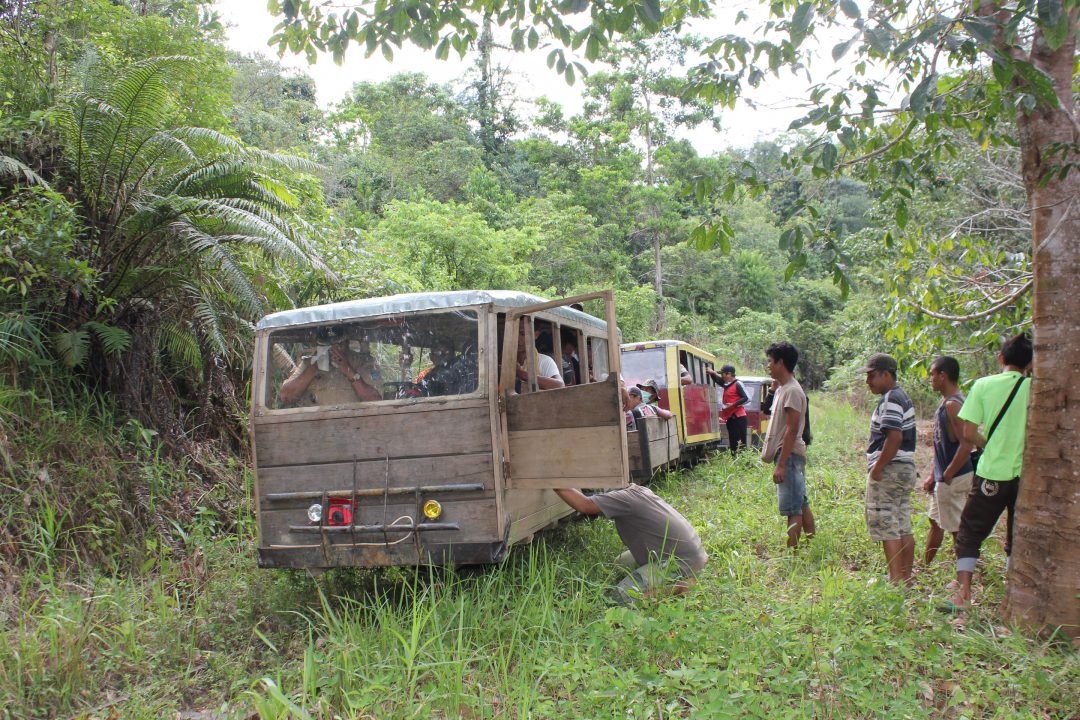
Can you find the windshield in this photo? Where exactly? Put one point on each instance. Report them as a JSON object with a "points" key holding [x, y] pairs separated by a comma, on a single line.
{"points": [[641, 365], [373, 360]]}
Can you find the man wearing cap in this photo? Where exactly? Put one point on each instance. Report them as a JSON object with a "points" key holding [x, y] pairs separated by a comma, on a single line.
{"points": [[732, 399], [637, 408], [662, 544], [650, 393], [890, 462]]}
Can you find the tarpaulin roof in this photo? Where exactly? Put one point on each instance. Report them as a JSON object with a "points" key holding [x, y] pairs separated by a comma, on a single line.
{"points": [[416, 303]]}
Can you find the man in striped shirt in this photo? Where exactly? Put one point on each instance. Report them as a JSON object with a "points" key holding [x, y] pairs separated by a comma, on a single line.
{"points": [[890, 462]]}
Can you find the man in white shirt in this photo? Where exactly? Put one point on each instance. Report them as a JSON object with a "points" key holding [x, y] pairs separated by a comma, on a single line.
{"points": [[548, 374]]}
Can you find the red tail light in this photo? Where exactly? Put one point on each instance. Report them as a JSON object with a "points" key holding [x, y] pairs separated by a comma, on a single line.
{"points": [[340, 512]]}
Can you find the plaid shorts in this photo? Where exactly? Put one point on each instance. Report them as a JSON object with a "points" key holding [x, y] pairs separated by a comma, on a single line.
{"points": [[888, 502]]}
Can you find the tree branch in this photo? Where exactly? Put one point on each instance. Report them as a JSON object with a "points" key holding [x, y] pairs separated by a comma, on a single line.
{"points": [[975, 316]]}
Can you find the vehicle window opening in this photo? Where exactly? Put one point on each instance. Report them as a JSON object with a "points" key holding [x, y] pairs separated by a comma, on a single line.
{"points": [[372, 360], [598, 359], [570, 341]]}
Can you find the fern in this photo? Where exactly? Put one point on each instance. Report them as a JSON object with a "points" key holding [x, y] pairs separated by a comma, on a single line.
{"points": [[114, 340], [73, 346]]}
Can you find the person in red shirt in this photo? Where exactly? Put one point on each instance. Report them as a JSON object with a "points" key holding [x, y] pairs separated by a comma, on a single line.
{"points": [[733, 397]]}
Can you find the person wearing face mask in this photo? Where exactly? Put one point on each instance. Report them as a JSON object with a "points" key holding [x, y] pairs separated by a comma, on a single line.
{"points": [[650, 393]]}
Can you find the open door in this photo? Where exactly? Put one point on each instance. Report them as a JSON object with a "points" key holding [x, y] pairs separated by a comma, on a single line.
{"points": [[570, 437]]}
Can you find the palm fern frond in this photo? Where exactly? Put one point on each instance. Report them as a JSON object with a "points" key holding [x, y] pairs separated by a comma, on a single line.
{"points": [[12, 169], [181, 345], [73, 346], [22, 336], [113, 340]]}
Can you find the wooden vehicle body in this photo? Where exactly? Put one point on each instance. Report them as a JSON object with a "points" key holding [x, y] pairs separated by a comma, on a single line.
{"points": [[695, 405], [456, 462], [652, 447], [757, 422]]}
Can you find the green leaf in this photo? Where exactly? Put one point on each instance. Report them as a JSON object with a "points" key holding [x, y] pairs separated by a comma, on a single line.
{"points": [[840, 49], [73, 347], [534, 39], [902, 214], [800, 22], [592, 48], [1054, 22], [113, 340], [918, 98], [849, 8], [1038, 82], [828, 157], [650, 12], [787, 239], [879, 39], [981, 30], [1003, 71]]}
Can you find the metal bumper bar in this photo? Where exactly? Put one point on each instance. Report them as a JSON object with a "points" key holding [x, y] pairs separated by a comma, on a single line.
{"points": [[373, 492]]}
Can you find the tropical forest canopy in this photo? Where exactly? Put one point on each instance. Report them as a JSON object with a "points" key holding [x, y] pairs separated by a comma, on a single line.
{"points": [[162, 193]]}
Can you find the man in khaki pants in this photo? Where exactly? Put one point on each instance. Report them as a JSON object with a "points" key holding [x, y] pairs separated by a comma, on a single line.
{"points": [[890, 461]]}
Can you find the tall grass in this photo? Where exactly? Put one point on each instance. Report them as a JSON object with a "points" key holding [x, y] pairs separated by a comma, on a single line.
{"points": [[765, 633]]}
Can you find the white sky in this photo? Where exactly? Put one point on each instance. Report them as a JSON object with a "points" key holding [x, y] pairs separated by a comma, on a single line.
{"points": [[249, 25]]}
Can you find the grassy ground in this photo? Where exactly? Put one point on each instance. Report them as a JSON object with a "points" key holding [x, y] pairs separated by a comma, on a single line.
{"points": [[766, 632]]}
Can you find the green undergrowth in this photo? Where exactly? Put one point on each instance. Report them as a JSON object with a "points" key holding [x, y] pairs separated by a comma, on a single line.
{"points": [[765, 633]]}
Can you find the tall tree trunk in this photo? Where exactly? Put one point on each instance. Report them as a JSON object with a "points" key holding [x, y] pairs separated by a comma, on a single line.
{"points": [[658, 284], [485, 92], [1044, 572]]}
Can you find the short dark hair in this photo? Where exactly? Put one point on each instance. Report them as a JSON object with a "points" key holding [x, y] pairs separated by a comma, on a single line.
{"points": [[785, 352], [948, 365], [1017, 351]]}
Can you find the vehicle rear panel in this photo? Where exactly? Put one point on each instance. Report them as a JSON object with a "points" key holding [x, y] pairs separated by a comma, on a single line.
{"points": [[391, 461]]}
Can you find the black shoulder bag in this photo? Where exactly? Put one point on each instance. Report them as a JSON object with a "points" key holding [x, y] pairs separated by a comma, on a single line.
{"points": [[976, 454]]}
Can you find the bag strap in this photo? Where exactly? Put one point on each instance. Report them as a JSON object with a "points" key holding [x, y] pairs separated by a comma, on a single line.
{"points": [[1004, 407]]}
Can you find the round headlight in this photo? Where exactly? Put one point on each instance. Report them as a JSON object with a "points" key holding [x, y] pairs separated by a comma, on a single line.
{"points": [[314, 513], [432, 509]]}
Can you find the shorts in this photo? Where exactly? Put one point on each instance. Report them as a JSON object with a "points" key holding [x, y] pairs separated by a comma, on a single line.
{"points": [[650, 576], [888, 502], [947, 502], [791, 494]]}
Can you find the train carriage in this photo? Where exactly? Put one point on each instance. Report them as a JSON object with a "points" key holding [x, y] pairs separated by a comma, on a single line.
{"points": [[409, 429], [694, 404]]}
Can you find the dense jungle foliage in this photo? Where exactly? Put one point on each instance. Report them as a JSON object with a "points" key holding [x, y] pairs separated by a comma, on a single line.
{"points": [[159, 193]]}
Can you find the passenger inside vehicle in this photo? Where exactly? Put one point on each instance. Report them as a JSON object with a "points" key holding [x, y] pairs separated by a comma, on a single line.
{"points": [[548, 375], [338, 371], [571, 364]]}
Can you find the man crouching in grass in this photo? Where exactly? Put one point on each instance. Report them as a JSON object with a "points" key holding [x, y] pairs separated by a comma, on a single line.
{"points": [[662, 545]]}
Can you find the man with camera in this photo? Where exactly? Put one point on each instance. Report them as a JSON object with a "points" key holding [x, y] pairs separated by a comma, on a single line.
{"points": [[339, 373]]}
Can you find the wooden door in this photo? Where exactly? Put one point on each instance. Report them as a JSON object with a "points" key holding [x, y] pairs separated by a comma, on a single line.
{"points": [[571, 437]]}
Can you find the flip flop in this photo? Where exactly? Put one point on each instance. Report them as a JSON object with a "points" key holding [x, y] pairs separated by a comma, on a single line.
{"points": [[950, 607]]}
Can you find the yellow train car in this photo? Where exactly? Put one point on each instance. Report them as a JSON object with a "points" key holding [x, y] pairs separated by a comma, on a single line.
{"points": [[686, 389]]}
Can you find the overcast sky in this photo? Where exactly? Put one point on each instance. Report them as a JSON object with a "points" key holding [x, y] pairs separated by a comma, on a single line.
{"points": [[249, 26]]}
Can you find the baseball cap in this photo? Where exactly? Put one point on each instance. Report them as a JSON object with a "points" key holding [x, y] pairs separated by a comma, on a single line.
{"points": [[650, 384], [727, 369], [634, 390], [879, 362]]}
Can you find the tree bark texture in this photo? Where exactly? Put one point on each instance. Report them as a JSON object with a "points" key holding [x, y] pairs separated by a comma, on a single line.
{"points": [[1044, 571]]}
